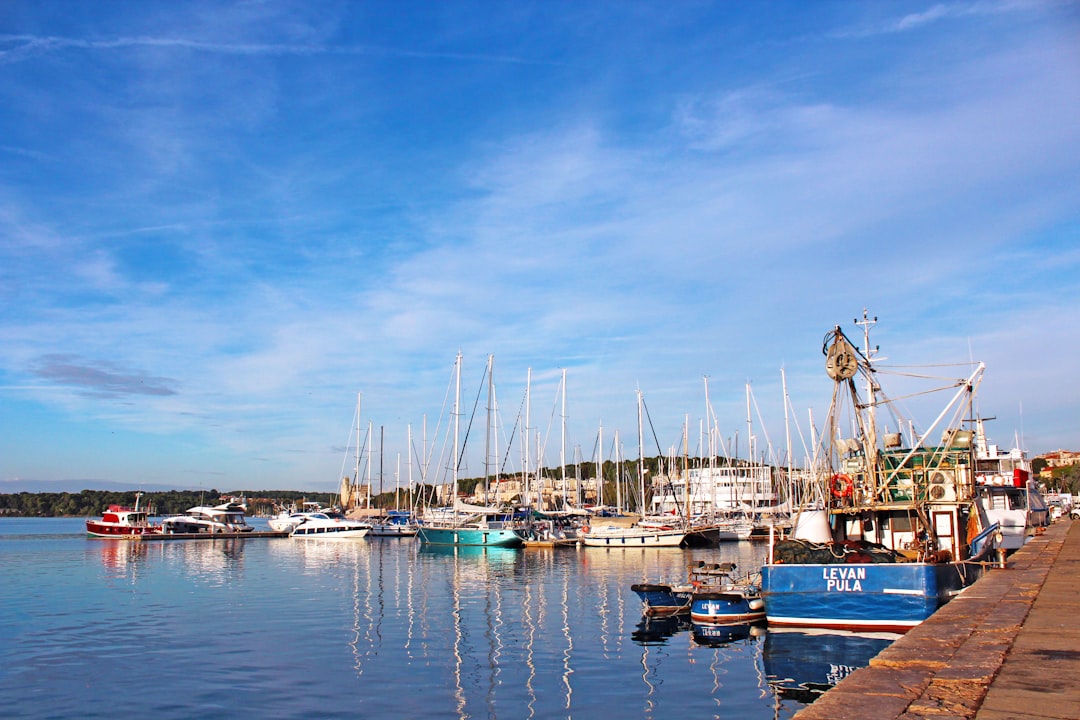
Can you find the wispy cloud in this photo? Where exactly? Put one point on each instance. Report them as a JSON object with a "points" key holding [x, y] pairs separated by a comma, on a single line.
{"points": [[18, 48], [100, 379], [941, 12]]}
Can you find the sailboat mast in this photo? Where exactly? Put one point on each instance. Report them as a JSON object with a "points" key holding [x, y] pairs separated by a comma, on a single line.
{"points": [[787, 438], [562, 446], [600, 466], [525, 441], [618, 475], [487, 431], [370, 427], [686, 464], [457, 418], [356, 472], [641, 455], [410, 457], [711, 441]]}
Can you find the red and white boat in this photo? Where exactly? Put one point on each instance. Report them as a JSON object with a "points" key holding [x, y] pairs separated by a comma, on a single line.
{"points": [[121, 521]]}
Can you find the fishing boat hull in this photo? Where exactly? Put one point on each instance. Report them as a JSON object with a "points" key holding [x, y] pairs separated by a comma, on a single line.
{"points": [[472, 537], [886, 597], [660, 599], [726, 606]]}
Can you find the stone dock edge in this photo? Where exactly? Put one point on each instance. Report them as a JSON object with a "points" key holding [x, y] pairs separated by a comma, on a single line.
{"points": [[1007, 647]]}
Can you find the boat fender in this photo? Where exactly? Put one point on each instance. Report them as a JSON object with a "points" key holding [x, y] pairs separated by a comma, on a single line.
{"points": [[841, 485]]}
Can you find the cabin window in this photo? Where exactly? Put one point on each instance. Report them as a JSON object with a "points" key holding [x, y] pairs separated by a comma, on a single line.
{"points": [[900, 523]]}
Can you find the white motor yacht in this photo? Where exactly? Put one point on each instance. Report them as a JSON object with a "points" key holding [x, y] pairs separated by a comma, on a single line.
{"points": [[321, 525], [225, 518]]}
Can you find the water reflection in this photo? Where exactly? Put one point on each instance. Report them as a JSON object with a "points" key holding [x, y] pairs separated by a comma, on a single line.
{"points": [[657, 630], [478, 631], [717, 635], [119, 558], [803, 664]]}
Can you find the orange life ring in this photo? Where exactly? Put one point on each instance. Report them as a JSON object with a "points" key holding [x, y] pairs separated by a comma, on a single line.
{"points": [[585, 529], [841, 485]]}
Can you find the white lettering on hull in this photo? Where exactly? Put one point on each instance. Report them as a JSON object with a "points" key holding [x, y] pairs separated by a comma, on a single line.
{"points": [[843, 579]]}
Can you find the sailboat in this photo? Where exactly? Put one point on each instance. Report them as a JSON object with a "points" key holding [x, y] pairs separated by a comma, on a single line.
{"points": [[396, 523], [470, 525], [643, 533], [903, 534]]}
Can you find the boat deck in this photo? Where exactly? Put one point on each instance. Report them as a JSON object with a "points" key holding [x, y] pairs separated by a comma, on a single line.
{"points": [[559, 542], [1008, 647]]}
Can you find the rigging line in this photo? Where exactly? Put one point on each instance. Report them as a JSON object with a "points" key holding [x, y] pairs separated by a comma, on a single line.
{"points": [[764, 429], [890, 401], [917, 376], [932, 365], [472, 418], [660, 453], [513, 434]]}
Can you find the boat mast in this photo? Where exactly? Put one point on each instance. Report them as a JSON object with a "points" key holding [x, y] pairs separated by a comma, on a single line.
{"points": [[356, 472], [600, 466], [487, 432], [710, 434], [787, 440], [525, 442], [457, 417], [410, 457], [370, 428], [641, 455], [686, 466], [870, 441], [618, 475], [562, 445]]}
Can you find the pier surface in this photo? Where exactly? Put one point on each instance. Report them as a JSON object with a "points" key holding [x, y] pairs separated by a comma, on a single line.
{"points": [[1008, 647]]}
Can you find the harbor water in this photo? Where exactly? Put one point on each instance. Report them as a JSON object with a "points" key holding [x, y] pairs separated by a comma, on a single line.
{"points": [[365, 628]]}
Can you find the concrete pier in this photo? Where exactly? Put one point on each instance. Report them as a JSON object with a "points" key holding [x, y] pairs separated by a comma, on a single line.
{"points": [[1008, 647]]}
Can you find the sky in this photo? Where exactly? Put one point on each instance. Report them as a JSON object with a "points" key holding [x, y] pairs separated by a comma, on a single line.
{"points": [[222, 222]]}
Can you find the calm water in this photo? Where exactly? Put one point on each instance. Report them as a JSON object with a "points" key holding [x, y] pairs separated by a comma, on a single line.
{"points": [[285, 628]]}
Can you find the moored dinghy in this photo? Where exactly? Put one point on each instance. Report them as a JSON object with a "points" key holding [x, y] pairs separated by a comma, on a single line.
{"points": [[727, 599]]}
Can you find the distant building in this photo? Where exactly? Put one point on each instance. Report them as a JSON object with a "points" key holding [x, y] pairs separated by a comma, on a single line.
{"points": [[1060, 458], [353, 495]]}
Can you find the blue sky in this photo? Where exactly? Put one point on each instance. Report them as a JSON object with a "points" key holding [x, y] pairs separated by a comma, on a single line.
{"points": [[221, 221]]}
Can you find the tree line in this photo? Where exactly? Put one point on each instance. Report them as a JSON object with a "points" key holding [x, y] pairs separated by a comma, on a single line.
{"points": [[89, 503]]}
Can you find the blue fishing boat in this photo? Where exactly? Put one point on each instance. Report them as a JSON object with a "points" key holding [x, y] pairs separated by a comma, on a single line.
{"points": [[901, 533], [733, 604], [664, 599], [723, 598], [676, 598]]}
